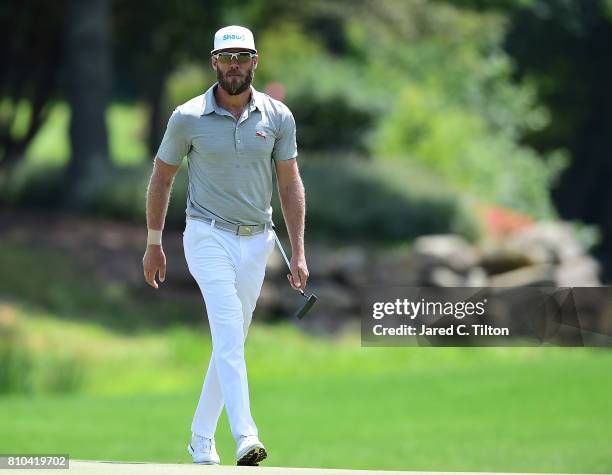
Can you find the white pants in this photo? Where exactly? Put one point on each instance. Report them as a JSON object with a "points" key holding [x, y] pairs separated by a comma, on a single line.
{"points": [[229, 270]]}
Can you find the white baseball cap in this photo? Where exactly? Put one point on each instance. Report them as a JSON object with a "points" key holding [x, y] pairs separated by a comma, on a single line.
{"points": [[234, 37]]}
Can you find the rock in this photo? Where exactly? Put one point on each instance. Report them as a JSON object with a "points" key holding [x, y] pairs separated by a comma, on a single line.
{"points": [[338, 296], [477, 277], [321, 262], [546, 255], [581, 271], [446, 250], [555, 239], [542, 243], [443, 277], [350, 266], [503, 258], [543, 275], [392, 268], [277, 300], [345, 265]]}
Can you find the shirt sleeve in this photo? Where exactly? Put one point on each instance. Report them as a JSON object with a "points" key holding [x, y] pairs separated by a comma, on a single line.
{"points": [[176, 142], [285, 147]]}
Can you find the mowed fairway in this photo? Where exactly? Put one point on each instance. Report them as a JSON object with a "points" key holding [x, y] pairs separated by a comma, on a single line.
{"points": [[321, 403]]}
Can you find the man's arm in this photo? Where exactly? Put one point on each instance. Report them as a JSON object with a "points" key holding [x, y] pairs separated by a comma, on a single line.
{"points": [[158, 195], [293, 204]]}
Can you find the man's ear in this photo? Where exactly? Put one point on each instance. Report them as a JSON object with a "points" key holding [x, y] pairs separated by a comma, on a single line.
{"points": [[213, 63]]}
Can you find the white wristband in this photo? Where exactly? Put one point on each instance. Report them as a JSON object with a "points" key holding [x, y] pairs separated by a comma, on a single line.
{"points": [[154, 237]]}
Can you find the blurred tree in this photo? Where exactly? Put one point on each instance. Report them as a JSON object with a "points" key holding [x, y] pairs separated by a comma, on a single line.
{"points": [[31, 54], [149, 47], [564, 46], [486, 5], [88, 81]]}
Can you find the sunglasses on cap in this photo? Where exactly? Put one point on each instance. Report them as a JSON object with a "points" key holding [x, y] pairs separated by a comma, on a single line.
{"points": [[241, 56]]}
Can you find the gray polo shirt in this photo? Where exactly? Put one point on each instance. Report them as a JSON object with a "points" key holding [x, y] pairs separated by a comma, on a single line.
{"points": [[229, 159]]}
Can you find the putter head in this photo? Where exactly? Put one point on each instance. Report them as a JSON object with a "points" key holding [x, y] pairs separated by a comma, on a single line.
{"points": [[310, 301]]}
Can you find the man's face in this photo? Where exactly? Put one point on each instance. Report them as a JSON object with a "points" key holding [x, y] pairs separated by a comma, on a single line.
{"points": [[235, 77]]}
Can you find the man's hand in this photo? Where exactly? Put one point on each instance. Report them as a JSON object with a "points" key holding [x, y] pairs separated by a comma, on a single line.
{"points": [[153, 261], [299, 272]]}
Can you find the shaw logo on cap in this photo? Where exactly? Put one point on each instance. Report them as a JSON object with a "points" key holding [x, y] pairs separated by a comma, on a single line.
{"points": [[234, 37]]}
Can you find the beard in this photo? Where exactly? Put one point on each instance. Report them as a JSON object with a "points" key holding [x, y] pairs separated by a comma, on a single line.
{"points": [[235, 85]]}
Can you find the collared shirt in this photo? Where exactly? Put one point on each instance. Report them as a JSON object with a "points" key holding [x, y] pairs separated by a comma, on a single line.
{"points": [[230, 160]]}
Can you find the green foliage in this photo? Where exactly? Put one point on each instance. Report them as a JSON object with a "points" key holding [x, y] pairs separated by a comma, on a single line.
{"points": [[32, 184], [351, 199], [61, 373], [370, 201], [51, 145], [187, 82], [27, 366], [458, 146], [288, 51], [452, 105], [15, 363], [332, 111], [127, 131], [126, 135], [327, 124]]}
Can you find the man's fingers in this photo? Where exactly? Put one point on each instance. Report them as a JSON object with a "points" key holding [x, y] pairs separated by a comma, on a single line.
{"points": [[162, 272], [150, 279], [295, 282], [303, 278]]}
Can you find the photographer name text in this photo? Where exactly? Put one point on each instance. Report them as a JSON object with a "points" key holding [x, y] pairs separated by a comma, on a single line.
{"points": [[457, 330]]}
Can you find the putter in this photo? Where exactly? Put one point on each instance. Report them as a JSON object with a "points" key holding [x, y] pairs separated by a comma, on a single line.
{"points": [[310, 299]]}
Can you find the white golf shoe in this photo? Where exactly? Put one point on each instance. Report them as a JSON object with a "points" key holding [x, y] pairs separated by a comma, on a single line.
{"points": [[203, 451], [250, 450]]}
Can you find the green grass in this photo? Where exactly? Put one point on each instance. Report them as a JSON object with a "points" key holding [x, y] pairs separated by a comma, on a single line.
{"points": [[323, 403], [317, 402]]}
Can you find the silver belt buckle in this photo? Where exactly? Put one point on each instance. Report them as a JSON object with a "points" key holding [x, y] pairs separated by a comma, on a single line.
{"points": [[245, 230]]}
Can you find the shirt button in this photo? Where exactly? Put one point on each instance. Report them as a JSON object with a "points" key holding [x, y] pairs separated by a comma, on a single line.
{"points": [[238, 140]]}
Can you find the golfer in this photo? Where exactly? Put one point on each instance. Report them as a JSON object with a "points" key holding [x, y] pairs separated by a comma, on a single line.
{"points": [[232, 136]]}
